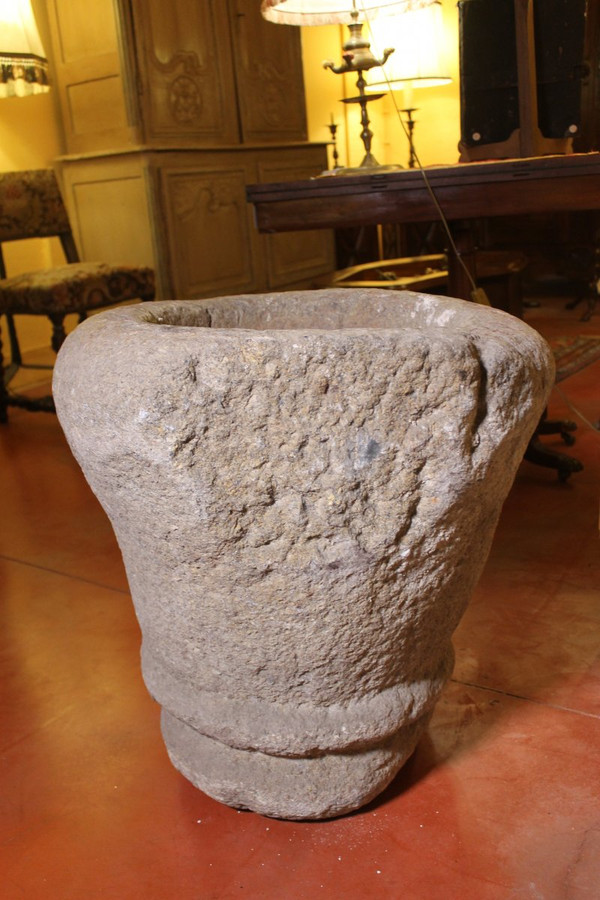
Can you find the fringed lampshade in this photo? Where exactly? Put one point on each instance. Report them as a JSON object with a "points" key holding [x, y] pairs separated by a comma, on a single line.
{"points": [[420, 57], [330, 12], [23, 63]]}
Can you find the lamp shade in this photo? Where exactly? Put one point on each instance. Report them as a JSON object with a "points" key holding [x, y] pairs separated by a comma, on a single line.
{"points": [[420, 55], [330, 12], [23, 63]]}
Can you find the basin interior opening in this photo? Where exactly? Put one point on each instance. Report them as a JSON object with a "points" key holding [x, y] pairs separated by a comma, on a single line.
{"points": [[305, 310]]}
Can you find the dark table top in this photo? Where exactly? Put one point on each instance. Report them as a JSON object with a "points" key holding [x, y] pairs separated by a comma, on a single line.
{"points": [[464, 190]]}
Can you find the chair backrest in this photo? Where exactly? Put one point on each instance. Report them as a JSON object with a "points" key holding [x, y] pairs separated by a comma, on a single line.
{"points": [[31, 206]]}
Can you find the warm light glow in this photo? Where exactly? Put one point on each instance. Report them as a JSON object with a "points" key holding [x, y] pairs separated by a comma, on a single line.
{"points": [[23, 63], [420, 56], [329, 12]]}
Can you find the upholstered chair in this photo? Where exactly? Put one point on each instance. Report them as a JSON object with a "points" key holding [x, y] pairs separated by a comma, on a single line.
{"points": [[31, 206]]}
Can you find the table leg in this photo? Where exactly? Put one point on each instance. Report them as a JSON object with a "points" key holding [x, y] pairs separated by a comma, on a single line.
{"points": [[461, 260]]}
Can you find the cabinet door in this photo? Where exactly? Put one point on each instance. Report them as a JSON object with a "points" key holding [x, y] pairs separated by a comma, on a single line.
{"points": [[107, 199], [210, 245], [87, 68], [269, 79], [296, 257], [184, 71]]}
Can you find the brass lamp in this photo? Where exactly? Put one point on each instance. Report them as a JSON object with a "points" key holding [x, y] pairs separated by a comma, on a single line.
{"points": [[357, 55], [23, 63]]}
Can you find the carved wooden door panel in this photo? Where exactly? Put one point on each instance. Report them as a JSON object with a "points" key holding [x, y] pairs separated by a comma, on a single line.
{"points": [[185, 72], [212, 245], [295, 256], [268, 70], [85, 56]]}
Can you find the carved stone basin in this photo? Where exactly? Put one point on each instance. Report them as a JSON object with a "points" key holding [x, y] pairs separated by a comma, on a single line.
{"points": [[304, 487]]}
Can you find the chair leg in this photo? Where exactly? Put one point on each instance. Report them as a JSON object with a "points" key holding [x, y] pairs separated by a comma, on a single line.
{"points": [[42, 404], [3, 391], [540, 455], [58, 330], [15, 349]]}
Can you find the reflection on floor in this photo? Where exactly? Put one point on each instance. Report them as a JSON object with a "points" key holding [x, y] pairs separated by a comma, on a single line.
{"points": [[500, 800]]}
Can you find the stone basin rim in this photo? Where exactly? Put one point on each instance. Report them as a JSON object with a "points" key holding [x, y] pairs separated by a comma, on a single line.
{"points": [[308, 313], [389, 336], [348, 330]]}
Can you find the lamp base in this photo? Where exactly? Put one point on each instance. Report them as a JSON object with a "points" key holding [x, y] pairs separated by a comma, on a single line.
{"points": [[364, 169]]}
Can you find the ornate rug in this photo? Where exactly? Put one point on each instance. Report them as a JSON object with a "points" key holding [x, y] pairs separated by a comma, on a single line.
{"points": [[574, 353]]}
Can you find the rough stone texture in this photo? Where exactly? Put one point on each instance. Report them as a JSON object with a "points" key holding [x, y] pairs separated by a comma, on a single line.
{"points": [[304, 487]]}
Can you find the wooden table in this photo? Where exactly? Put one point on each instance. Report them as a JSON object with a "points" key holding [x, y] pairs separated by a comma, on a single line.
{"points": [[465, 191]]}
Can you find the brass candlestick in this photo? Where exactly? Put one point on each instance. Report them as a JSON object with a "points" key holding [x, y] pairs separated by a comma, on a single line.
{"points": [[333, 130], [358, 57]]}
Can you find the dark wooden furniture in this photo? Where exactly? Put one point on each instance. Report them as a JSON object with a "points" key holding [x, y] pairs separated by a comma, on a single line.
{"points": [[521, 70], [463, 192], [498, 272]]}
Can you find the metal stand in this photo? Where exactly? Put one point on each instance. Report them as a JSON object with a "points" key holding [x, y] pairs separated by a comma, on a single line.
{"points": [[333, 129], [410, 127], [366, 134], [358, 57]]}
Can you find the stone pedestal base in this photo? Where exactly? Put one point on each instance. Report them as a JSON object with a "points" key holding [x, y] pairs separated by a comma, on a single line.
{"points": [[317, 787]]}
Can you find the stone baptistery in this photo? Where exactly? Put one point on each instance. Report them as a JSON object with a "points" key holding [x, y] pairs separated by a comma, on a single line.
{"points": [[304, 487]]}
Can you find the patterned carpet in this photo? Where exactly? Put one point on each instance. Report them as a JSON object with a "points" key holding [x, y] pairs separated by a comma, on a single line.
{"points": [[574, 353]]}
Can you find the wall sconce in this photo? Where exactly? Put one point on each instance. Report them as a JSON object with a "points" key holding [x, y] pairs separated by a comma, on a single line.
{"points": [[420, 58], [23, 63], [356, 55]]}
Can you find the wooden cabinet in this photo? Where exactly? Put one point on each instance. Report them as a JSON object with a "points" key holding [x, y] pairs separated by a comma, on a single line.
{"points": [[170, 108], [268, 73], [178, 55]]}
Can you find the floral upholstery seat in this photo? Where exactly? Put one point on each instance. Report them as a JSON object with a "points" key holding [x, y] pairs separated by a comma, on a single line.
{"points": [[31, 206], [77, 287]]}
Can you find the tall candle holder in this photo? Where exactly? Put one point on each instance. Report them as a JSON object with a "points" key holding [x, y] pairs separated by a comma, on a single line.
{"points": [[333, 127], [358, 57]]}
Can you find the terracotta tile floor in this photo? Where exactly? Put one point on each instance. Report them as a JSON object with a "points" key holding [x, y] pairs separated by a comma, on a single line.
{"points": [[500, 800]]}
